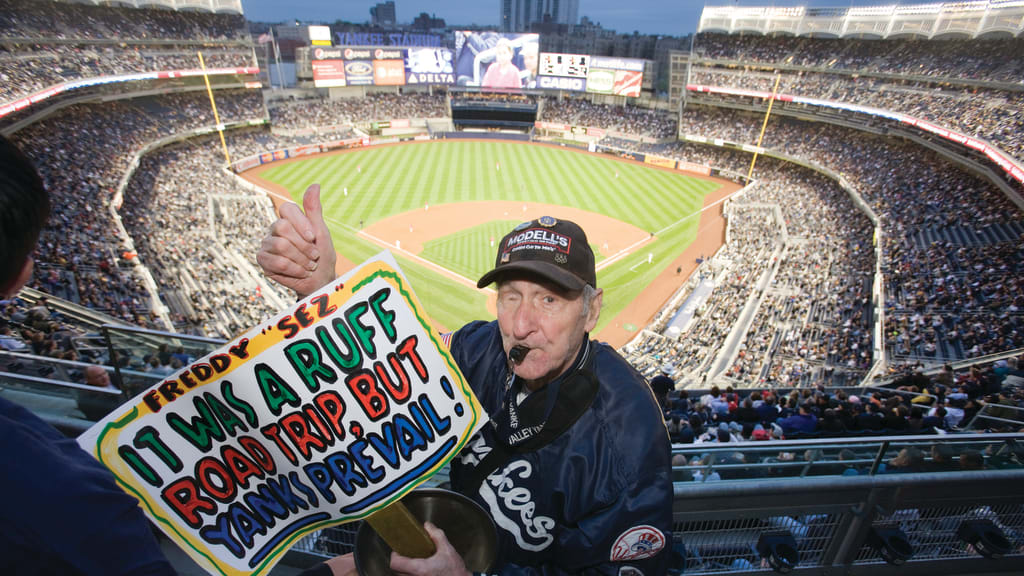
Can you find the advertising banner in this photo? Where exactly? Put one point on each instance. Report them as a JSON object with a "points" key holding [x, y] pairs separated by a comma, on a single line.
{"points": [[617, 76], [556, 83], [429, 66], [328, 412], [693, 167], [359, 72], [389, 72], [328, 73], [659, 161]]}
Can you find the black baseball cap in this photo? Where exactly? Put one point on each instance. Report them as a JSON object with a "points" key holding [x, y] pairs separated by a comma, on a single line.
{"points": [[556, 250]]}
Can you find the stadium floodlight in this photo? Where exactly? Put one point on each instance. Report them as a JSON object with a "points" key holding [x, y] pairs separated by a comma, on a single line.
{"points": [[779, 550], [891, 543], [985, 537]]}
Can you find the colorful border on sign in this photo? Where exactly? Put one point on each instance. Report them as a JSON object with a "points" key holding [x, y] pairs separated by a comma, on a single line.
{"points": [[106, 441]]}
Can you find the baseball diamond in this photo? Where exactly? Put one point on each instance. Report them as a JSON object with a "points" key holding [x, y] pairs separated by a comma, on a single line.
{"points": [[440, 205]]}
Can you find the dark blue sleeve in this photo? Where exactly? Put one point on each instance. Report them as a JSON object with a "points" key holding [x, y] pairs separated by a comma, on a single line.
{"points": [[64, 512]]}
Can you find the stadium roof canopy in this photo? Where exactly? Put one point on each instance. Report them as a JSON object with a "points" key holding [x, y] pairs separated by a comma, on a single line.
{"points": [[973, 19], [220, 6]]}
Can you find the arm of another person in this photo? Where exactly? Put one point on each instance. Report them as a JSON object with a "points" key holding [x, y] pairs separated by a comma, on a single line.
{"points": [[298, 251]]}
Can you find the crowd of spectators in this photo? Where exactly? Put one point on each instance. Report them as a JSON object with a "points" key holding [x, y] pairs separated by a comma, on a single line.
{"points": [[945, 298], [28, 69], [754, 243], [82, 153], [993, 60], [912, 77], [944, 402], [305, 114], [631, 120], [812, 322], [47, 19], [197, 230], [47, 43]]}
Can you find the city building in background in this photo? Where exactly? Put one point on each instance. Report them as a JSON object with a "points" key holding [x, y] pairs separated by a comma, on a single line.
{"points": [[521, 15], [383, 14]]}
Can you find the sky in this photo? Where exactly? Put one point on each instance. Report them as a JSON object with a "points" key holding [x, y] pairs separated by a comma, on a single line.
{"points": [[671, 18]]}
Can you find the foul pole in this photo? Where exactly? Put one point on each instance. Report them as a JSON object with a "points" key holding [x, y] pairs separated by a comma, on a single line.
{"points": [[760, 136], [213, 103]]}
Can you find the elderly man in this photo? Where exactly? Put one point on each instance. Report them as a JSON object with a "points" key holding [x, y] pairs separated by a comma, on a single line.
{"points": [[574, 464]]}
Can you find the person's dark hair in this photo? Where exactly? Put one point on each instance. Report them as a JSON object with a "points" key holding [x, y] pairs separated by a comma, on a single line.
{"points": [[972, 460], [696, 423], [24, 207]]}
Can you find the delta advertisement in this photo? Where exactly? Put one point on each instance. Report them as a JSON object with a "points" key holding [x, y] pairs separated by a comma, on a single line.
{"points": [[327, 413], [351, 66]]}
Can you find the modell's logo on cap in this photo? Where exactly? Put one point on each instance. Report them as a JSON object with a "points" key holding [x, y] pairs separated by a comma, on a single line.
{"points": [[538, 239]]}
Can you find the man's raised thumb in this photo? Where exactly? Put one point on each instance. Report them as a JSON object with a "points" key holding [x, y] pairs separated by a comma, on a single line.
{"points": [[314, 210]]}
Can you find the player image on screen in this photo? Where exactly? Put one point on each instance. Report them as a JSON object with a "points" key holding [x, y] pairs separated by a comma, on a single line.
{"points": [[530, 54], [494, 60], [502, 73]]}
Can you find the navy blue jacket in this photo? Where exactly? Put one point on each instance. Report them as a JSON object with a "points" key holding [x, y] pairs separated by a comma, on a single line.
{"points": [[595, 500], [63, 513]]}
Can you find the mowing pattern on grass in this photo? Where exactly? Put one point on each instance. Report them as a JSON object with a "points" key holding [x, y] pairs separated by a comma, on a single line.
{"points": [[469, 252], [392, 179]]}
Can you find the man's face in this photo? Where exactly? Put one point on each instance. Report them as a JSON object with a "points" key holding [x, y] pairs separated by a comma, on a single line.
{"points": [[548, 321], [96, 376], [530, 60]]}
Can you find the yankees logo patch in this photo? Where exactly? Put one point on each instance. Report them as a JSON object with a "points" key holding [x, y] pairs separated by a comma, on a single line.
{"points": [[638, 542]]}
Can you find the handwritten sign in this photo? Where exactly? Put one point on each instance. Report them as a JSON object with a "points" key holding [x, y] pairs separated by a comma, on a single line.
{"points": [[325, 414]]}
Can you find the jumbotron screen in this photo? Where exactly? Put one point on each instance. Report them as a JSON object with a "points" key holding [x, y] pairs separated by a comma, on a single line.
{"points": [[496, 61], [595, 74]]}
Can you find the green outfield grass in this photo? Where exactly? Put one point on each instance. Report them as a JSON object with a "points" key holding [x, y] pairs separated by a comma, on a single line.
{"points": [[393, 179]]}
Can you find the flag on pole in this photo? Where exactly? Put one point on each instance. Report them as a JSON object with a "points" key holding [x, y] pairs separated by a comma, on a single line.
{"points": [[264, 38]]}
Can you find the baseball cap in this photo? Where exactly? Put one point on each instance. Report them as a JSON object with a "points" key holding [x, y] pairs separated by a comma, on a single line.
{"points": [[556, 250]]}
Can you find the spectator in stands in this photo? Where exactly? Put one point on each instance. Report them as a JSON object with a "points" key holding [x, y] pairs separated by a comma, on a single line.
{"points": [[869, 419], [10, 342], [908, 459], [66, 513], [831, 424], [76, 519], [942, 458], [661, 385], [803, 422], [96, 405], [972, 460]]}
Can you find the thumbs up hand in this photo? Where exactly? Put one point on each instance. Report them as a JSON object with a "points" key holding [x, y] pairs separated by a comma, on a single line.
{"points": [[298, 251]]}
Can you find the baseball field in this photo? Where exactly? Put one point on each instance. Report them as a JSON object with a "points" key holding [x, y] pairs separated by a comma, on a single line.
{"points": [[442, 207]]}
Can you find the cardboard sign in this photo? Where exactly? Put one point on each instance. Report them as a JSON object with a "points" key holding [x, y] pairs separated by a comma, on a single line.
{"points": [[325, 414]]}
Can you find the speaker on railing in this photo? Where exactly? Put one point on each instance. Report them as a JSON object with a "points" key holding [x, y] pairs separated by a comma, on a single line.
{"points": [[987, 538], [779, 550], [891, 543]]}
